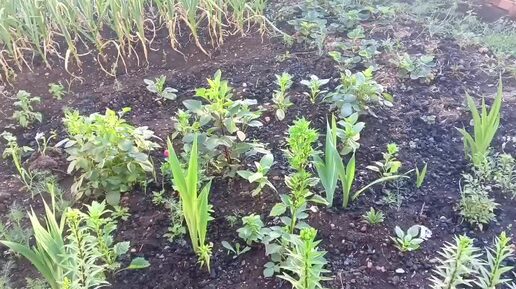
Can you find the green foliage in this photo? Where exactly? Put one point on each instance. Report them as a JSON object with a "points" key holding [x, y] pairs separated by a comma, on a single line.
{"points": [[315, 84], [176, 229], [390, 165], [49, 252], [220, 124], [158, 86], [305, 262], [260, 176], [457, 263], [311, 28], [280, 96], [491, 272], [252, 229], [300, 140], [420, 175], [476, 207], [504, 175], [349, 133], [485, 125], [79, 256], [412, 239], [14, 229], [24, 112], [5, 272], [196, 209], [57, 90], [373, 217], [416, 68], [237, 250], [357, 93], [110, 154], [16, 152], [327, 168], [351, 54]]}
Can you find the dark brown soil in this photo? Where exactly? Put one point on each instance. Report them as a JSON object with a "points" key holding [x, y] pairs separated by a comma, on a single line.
{"points": [[360, 256]]}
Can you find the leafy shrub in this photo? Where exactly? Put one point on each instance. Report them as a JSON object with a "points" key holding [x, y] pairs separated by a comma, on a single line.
{"points": [[416, 68], [24, 111], [357, 93], [221, 124], [110, 154], [461, 264], [77, 250], [476, 207]]}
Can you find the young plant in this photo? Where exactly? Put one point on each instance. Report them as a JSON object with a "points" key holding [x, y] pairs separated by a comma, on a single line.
{"points": [[14, 151], [476, 207], [305, 262], [300, 140], [221, 126], [504, 174], [24, 111], [315, 84], [327, 168], [57, 90], [260, 176], [196, 209], [49, 253], [356, 93], [373, 217], [420, 176], [416, 68], [280, 96], [110, 154], [349, 132], [457, 263], [390, 165], [158, 86], [14, 229], [491, 272], [485, 125], [252, 230], [237, 250], [412, 239], [176, 229]]}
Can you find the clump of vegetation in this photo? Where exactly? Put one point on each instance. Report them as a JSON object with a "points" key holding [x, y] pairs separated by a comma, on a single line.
{"points": [[195, 205], [485, 126], [15, 152], [221, 126], [24, 112], [461, 264], [305, 261], [315, 84], [416, 67], [57, 90], [260, 176], [14, 230], [77, 250], [280, 96], [411, 239], [476, 207], [158, 86], [110, 155], [357, 93], [373, 217]]}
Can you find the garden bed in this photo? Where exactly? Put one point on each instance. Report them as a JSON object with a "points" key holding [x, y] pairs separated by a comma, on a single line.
{"points": [[359, 255]]}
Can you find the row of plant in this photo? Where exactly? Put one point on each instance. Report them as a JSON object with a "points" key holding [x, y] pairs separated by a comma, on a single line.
{"points": [[220, 124], [29, 28]]}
